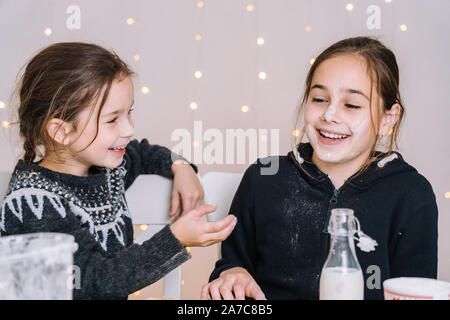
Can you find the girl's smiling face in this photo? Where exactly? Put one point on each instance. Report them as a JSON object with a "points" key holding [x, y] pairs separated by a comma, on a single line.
{"points": [[338, 113], [115, 128]]}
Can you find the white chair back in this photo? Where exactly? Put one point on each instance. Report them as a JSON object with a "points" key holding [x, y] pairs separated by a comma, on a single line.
{"points": [[219, 188]]}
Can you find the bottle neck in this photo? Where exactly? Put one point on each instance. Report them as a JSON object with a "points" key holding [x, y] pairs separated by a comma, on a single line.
{"points": [[342, 252]]}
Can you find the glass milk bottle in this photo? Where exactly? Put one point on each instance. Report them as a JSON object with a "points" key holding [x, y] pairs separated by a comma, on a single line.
{"points": [[341, 277]]}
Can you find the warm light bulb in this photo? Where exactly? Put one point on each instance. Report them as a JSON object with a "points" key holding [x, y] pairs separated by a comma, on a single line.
{"points": [[262, 75], [311, 62], [48, 31], [447, 195], [193, 105], [5, 124], [349, 7], [308, 28], [388, 1], [200, 4], [245, 108], [145, 90], [130, 20], [195, 143], [198, 74], [198, 37], [2, 105], [260, 41], [250, 7], [143, 227], [137, 57], [403, 27], [296, 133]]}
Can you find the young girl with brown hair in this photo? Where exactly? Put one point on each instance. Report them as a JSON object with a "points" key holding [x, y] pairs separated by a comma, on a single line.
{"points": [[351, 107], [80, 157]]}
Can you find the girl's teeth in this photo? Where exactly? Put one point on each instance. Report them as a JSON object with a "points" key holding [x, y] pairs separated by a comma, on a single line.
{"points": [[332, 135]]}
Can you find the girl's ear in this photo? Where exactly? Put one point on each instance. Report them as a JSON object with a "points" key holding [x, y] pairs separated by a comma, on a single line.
{"points": [[389, 119], [59, 131]]}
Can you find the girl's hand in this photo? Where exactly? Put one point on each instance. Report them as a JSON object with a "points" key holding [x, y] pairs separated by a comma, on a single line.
{"points": [[191, 230], [235, 281], [187, 189]]}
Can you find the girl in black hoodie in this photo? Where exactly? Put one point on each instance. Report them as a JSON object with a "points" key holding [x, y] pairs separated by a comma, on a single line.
{"points": [[351, 109]]}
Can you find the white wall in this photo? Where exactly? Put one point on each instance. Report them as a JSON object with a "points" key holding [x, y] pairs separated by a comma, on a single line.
{"points": [[164, 36]]}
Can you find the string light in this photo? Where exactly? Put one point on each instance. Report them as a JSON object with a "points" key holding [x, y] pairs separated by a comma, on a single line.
{"points": [[130, 21], [311, 62], [145, 90], [137, 57], [143, 227], [200, 4], [388, 1], [260, 41], [195, 143], [296, 133], [447, 195], [5, 124], [48, 32], [308, 28], [193, 105], [2, 105], [250, 7], [349, 7], [245, 108], [198, 74], [198, 37], [403, 27], [262, 75]]}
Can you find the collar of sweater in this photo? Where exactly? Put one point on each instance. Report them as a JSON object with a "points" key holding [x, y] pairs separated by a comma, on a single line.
{"points": [[96, 176], [383, 165]]}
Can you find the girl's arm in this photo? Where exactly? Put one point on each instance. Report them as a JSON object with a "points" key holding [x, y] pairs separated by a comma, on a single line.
{"points": [[103, 274], [413, 248], [144, 158]]}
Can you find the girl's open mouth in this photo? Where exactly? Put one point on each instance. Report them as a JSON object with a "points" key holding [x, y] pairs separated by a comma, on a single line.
{"points": [[119, 151], [330, 138]]}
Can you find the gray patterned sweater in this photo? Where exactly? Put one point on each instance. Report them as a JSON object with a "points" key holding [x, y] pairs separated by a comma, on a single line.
{"points": [[94, 210]]}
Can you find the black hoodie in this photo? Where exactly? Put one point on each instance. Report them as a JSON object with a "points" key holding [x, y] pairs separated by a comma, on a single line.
{"points": [[281, 236]]}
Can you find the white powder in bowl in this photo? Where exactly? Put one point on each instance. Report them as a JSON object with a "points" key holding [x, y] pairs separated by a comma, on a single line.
{"points": [[417, 286]]}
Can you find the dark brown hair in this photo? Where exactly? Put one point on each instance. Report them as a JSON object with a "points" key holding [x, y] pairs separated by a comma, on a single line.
{"points": [[382, 69], [59, 82]]}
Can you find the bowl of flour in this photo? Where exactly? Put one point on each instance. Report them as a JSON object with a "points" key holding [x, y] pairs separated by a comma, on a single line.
{"points": [[409, 288]]}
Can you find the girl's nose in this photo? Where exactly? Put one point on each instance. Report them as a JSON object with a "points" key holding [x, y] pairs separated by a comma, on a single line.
{"points": [[330, 114], [128, 129]]}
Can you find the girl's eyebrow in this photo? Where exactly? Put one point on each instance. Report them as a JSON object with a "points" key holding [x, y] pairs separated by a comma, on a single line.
{"points": [[348, 90], [117, 111]]}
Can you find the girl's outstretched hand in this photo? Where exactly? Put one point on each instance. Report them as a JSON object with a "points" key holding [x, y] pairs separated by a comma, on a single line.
{"points": [[235, 283], [193, 231], [187, 192]]}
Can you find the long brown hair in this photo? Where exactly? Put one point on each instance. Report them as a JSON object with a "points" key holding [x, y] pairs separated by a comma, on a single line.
{"points": [[382, 69], [59, 82]]}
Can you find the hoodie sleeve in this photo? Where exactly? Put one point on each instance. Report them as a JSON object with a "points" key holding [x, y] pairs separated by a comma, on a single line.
{"points": [[103, 275], [239, 249], [144, 158], [415, 253]]}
